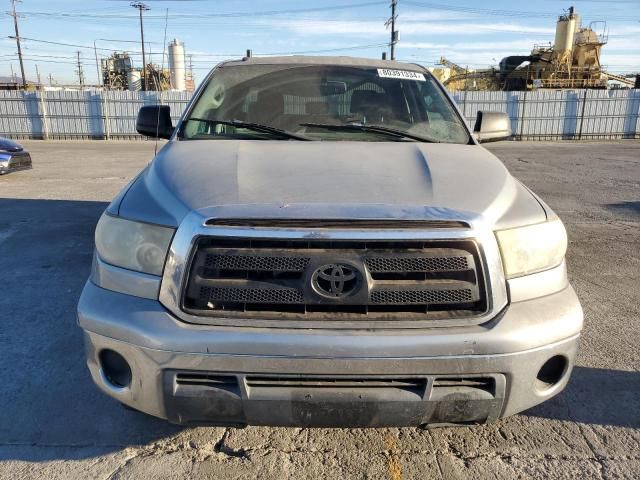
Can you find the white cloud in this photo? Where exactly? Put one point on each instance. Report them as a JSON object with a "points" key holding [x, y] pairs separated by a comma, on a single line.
{"points": [[428, 15], [511, 46], [360, 28], [623, 44], [620, 61], [623, 30]]}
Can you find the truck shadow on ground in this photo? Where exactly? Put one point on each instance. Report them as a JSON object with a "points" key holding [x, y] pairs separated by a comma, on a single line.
{"points": [[632, 207], [50, 408], [596, 396]]}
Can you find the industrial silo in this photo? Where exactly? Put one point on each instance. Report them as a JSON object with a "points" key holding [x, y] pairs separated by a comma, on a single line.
{"points": [[177, 65], [134, 80], [565, 32]]}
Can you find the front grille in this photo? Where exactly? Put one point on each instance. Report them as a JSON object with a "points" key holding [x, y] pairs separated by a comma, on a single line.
{"points": [[374, 280], [336, 384], [19, 160], [251, 295], [422, 297], [416, 264], [255, 262]]}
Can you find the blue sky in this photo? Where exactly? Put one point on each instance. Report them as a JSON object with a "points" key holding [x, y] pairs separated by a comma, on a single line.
{"points": [[473, 33]]}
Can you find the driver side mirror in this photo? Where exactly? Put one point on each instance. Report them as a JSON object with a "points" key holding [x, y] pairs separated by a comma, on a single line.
{"points": [[333, 87], [155, 121], [492, 126]]}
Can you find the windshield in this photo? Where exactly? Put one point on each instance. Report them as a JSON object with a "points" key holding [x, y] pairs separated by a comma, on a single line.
{"points": [[319, 102]]}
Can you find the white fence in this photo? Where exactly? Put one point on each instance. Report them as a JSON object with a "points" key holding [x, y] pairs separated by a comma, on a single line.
{"points": [[541, 114], [79, 115], [560, 114]]}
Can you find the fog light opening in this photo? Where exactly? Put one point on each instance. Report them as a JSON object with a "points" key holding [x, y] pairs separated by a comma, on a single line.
{"points": [[551, 372], [115, 368]]}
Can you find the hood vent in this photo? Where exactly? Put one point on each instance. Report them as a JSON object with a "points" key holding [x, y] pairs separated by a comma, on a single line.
{"points": [[334, 223]]}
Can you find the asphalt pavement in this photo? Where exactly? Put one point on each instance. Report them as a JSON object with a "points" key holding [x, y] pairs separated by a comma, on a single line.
{"points": [[55, 424]]}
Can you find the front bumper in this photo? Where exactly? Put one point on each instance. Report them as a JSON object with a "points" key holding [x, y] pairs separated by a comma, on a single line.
{"points": [[12, 162], [260, 376]]}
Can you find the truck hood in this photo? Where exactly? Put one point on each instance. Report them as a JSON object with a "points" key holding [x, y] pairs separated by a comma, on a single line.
{"points": [[327, 177]]}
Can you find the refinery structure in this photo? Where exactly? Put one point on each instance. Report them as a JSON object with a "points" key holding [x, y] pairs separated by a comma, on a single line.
{"points": [[572, 61], [118, 72]]}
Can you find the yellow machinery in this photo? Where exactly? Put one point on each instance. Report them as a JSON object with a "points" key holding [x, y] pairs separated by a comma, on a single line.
{"points": [[573, 61]]}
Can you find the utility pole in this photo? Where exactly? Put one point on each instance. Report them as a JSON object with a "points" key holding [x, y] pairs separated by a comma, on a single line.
{"points": [[142, 8], [38, 75], [394, 33], [79, 71], [95, 52], [13, 78], [15, 24], [193, 82], [50, 79]]}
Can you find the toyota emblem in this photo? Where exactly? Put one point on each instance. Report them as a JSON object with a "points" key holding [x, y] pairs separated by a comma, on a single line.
{"points": [[335, 280]]}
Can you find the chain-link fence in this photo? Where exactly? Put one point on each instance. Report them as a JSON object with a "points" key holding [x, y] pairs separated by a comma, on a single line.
{"points": [[540, 114]]}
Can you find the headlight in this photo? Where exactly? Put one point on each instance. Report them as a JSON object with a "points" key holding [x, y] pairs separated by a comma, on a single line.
{"points": [[533, 248], [133, 245]]}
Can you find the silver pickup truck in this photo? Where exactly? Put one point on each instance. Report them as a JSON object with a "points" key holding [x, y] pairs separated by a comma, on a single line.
{"points": [[323, 242]]}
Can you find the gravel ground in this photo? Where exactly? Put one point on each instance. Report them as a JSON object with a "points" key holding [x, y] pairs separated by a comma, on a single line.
{"points": [[55, 423]]}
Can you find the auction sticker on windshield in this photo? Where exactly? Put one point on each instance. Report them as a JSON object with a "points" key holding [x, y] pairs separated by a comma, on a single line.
{"points": [[402, 74]]}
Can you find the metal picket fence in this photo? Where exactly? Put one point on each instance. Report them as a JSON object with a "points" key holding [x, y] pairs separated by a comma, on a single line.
{"points": [[560, 114], [79, 115], [535, 115]]}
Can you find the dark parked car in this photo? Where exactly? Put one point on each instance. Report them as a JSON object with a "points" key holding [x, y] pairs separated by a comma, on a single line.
{"points": [[13, 156]]}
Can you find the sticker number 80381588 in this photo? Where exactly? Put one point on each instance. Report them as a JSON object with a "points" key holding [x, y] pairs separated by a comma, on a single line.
{"points": [[401, 74]]}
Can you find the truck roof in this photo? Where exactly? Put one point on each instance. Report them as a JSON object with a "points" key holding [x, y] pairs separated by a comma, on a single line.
{"points": [[313, 60]]}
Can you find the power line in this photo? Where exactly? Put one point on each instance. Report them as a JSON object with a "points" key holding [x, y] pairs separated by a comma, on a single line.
{"points": [[205, 55], [338, 49], [214, 15], [62, 43], [126, 41], [52, 61]]}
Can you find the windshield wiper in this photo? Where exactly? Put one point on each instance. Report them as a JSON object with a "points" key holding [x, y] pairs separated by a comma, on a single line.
{"points": [[393, 132], [257, 127]]}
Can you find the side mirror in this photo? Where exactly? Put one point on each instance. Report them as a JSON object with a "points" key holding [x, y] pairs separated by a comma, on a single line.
{"points": [[155, 121], [492, 126], [333, 87]]}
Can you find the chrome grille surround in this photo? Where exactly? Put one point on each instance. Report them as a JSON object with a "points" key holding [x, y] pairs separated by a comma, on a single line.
{"points": [[194, 227], [385, 279]]}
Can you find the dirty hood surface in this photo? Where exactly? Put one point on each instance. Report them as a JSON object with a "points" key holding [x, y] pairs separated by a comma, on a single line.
{"points": [[201, 174]]}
